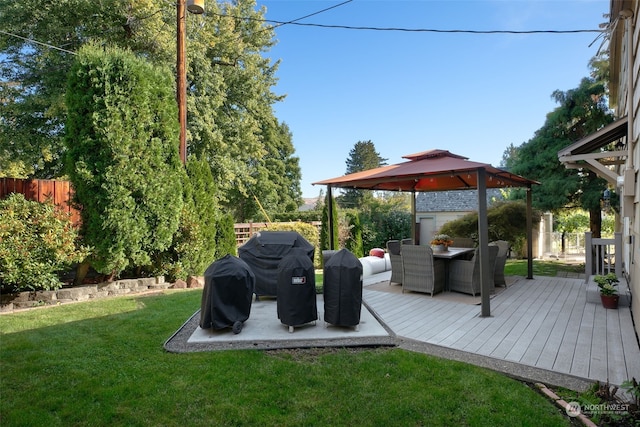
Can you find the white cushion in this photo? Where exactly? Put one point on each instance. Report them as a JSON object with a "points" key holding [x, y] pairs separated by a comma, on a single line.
{"points": [[374, 265]]}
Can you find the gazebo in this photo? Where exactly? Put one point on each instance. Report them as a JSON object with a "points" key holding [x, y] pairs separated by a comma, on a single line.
{"points": [[439, 170]]}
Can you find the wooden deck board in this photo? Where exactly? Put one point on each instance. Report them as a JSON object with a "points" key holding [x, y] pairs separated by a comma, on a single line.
{"points": [[566, 352], [551, 349], [543, 322], [511, 312], [554, 302], [614, 348]]}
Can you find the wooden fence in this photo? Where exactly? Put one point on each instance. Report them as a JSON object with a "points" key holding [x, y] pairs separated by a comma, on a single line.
{"points": [[61, 192], [41, 190], [244, 231]]}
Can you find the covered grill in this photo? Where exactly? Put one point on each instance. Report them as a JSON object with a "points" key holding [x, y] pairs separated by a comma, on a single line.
{"points": [[264, 251], [227, 294], [296, 290], [342, 283]]}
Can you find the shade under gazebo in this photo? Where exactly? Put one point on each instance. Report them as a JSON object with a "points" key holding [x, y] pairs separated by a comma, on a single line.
{"points": [[440, 170]]}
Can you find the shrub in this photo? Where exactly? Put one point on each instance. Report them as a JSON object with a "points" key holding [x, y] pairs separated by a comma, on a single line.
{"points": [[325, 232], [123, 157], [506, 220], [308, 231], [354, 241], [37, 241], [226, 237], [193, 247], [384, 221]]}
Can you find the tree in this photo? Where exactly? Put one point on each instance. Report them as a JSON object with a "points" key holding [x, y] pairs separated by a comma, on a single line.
{"points": [[363, 156], [384, 220], [582, 111], [325, 231], [509, 157], [230, 100], [506, 222], [193, 245], [276, 179], [354, 239], [121, 138], [225, 237], [33, 109]]}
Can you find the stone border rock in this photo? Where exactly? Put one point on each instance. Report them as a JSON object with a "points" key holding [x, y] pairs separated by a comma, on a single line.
{"points": [[24, 300]]}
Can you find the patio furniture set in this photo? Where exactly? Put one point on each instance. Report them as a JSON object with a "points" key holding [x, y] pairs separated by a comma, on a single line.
{"points": [[420, 268]]}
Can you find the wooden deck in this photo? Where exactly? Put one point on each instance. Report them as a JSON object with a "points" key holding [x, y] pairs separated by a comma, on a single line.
{"points": [[545, 322]]}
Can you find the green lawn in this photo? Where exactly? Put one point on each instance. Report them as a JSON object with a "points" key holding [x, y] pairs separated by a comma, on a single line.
{"points": [[518, 267], [101, 363]]}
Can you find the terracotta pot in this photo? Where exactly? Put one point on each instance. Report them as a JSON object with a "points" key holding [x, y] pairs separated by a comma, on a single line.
{"points": [[609, 301]]}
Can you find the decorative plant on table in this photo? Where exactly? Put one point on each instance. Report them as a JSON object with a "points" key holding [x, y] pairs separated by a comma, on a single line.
{"points": [[442, 240], [608, 291]]}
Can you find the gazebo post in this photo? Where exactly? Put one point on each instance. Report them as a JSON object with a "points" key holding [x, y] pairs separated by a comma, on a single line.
{"points": [[330, 218], [416, 239], [529, 234], [483, 242]]}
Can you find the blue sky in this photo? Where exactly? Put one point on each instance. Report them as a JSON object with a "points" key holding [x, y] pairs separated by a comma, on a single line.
{"points": [[471, 94]]}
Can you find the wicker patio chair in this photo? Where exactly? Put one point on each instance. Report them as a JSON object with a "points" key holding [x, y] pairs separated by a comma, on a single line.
{"points": [[421, 273], [501, 260], [393, 249], [464, 276]]}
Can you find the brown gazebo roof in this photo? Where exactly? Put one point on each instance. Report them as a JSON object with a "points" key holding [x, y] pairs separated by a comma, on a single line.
{"points": [[432, 170]]}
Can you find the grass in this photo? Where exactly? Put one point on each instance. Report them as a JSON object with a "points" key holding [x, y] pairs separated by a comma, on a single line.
{"points": [[518, 267], [102, 363]]}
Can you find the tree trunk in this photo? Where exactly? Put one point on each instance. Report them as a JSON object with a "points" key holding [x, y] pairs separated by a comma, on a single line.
{"points": [[81, 272], [595, 221], [595, 225]]}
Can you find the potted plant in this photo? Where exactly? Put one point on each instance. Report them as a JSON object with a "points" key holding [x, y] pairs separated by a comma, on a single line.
{"points": [[441, 242], [608, 291]]}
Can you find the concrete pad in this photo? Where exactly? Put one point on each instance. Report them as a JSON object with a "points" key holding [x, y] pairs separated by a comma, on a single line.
{"points": [[263, 324]]}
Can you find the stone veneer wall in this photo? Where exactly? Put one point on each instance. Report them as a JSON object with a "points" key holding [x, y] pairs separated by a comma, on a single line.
{"points": [[22, 300]]}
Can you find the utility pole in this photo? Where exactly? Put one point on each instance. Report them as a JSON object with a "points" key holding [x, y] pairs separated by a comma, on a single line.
{"points": [[196, 7]]}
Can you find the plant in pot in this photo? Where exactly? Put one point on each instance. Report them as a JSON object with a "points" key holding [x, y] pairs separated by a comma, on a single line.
{"points": [[441, 242], [608, 291]]}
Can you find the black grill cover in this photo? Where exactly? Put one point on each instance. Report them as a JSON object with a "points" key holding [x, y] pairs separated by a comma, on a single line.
{"points": [[296, 289], [227, 293], [264, 251], [342, 283]]}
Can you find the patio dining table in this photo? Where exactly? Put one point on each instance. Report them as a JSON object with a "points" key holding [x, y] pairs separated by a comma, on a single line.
{"points": [[452, 253], [447, 256]]}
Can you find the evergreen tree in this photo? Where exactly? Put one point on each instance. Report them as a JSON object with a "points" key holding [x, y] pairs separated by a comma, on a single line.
{"points": [[123, 156], [276, 180], [582, 111], [226, 237], [324, 231], [363, 156], [194, 243], [230, 96], [354, 242]]}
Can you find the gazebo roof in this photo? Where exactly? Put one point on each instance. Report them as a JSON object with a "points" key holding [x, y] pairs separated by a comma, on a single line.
{"points": [[432, 170]]}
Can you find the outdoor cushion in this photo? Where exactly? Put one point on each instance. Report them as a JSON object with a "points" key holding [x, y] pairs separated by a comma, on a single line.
{"points": [[377, 252]]}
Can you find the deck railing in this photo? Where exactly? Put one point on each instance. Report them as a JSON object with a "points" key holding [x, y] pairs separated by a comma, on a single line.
{"points": [[603, 256]]}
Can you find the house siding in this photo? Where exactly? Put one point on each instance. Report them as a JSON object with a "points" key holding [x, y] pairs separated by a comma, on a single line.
{"points": [[622, 63], [454, 201]]}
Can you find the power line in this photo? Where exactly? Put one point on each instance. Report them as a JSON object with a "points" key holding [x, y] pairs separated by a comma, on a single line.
{"points": [[310, 15], [37, 42], [277, 23], [434, 30]]}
